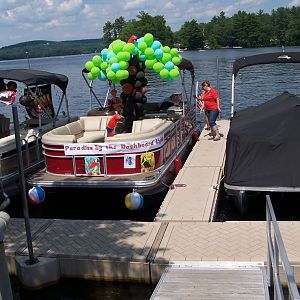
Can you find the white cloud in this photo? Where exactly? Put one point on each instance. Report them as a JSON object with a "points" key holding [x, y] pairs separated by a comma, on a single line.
{"points": [[295, 3], [70, 6], [134, 4], [79, 19]]}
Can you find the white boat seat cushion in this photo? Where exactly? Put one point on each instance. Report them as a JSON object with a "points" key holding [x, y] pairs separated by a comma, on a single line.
{"points": [[147, 125], [94, 123], [74, 128]]}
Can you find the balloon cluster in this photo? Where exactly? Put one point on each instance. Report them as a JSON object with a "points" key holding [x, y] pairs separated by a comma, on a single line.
{"points": [[125, 63], [114, 62]]}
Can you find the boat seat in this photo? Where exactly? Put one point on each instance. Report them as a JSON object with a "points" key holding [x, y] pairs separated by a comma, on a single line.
{"points": [[147, 125], [153, 132], [86, 130]]}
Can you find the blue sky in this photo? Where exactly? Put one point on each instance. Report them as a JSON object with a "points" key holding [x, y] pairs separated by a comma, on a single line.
{"points": [[58, 20]]}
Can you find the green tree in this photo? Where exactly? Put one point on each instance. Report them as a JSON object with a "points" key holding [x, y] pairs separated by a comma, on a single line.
{"points": [[146, 23], [191, 35], [108, 33]]}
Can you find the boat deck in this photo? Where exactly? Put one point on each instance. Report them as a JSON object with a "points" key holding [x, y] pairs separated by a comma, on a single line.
{"points": [[140, 251]]}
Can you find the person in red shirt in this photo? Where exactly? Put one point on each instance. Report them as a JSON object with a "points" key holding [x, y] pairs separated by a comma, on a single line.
{"points": [[211, 104]]}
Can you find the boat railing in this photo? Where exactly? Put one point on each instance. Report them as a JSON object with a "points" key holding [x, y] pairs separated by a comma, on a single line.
{"points": [[31, 155], [276, 249]]}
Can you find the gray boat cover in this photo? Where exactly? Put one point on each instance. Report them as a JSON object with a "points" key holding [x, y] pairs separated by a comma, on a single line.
{"points": [[263, 145], [35, 77]]}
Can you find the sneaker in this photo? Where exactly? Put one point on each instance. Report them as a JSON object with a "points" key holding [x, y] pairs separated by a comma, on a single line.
{"points": [[211, 138], [217, 138], [207, 128]]}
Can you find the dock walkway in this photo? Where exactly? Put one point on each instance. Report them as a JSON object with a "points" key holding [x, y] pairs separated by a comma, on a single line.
{"points": [[194, 283], [183, 231]]}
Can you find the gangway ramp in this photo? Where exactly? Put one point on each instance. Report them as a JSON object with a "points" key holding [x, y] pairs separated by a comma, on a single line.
{"points": [[198, 282]]}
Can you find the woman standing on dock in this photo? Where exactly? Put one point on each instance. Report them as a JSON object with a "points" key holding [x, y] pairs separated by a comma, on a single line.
{"points": [[211, 103]]}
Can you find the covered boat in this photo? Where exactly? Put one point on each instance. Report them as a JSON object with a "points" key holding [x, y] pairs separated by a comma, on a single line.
{"points": [[41, 116], [262, 143]]}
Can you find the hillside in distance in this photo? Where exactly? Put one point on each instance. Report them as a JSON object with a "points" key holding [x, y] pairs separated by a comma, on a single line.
{"points": [[43, 48]]}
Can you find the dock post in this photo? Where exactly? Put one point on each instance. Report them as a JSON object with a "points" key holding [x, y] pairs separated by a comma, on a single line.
{"points": [[32, 260], [5, 287]]}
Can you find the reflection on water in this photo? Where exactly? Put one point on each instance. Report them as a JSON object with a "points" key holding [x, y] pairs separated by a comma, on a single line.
{"points": [[75, 289]]}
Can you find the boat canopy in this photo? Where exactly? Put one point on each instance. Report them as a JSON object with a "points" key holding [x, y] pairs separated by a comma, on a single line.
{"points": [[265, 58], [35, 77], [263, 145]]}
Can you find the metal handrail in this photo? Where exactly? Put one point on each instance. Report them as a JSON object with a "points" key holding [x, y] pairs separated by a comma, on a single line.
{"points": [[275, 249]]}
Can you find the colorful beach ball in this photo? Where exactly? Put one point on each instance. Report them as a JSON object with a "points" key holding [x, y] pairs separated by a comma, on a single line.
{"points": [[134, 201], [36, 195]]}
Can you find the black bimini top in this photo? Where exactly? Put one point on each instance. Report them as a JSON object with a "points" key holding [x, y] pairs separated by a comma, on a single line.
{"points": [[263, 145], [35, 77], [265, 58]]}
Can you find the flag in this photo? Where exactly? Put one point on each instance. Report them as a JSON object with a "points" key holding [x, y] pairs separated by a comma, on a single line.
{"points": [[199, 103], [8, 97]]}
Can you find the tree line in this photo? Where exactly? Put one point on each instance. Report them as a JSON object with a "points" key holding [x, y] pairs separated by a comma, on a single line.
{"points": [[43, 48], [247, 30], [281, 27]]}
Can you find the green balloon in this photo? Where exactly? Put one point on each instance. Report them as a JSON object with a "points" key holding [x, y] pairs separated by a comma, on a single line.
{"points": [[89, 65], [174, 73], [108, 69], [111, 75], [127, 56], [142, 46], [113, 60], [148, 38], [104, 66], [119, 74], [95, 71], [128, 48], [166, 57], [117, 46], [166, 49], [176, 60], [115, 80], [91, 76], [149, 52], [97, 60], [158, 66], [174, 52], [123, 65], [126, 74], [164, 73], [149, 63], [120, 56]]}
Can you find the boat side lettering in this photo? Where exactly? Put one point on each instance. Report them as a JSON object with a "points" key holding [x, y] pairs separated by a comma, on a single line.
{"points": [[113, 148]]}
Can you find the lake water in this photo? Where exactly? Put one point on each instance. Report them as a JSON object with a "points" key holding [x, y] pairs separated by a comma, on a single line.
{"points": [[254, 85]]}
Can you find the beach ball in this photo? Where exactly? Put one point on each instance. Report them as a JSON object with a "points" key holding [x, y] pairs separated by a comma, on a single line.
{"points": [[36, 195], [134, 201]]}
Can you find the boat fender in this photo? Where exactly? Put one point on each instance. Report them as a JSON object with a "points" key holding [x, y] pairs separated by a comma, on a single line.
{"points": [[112, 123], [177, 164], [195, 137]]}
